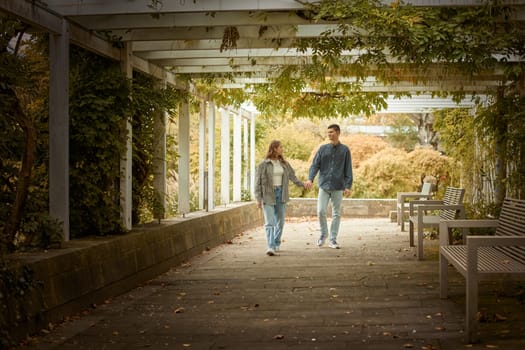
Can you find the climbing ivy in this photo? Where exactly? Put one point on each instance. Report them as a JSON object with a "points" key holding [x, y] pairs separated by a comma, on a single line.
{"points": [[150, 103], [99, 105]]}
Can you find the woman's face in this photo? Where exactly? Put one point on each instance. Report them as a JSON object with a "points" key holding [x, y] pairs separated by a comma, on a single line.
{"points": [[279, 150]]}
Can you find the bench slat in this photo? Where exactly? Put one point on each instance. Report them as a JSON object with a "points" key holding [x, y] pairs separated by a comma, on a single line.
{"points": [[490, 260]]}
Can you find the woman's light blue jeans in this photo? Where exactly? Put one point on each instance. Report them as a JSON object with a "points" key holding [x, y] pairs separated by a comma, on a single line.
{"points": [[274, 220], [322, 204]]}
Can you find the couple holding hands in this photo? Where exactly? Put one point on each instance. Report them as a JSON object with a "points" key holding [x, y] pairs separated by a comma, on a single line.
{"points": [[332, 161]]}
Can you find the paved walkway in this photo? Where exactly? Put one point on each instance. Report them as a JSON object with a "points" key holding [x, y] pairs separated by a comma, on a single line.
{"points": [[371, 294]]}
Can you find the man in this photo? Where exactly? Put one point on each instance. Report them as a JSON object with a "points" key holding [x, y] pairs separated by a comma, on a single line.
{"points": [[334, 164]]}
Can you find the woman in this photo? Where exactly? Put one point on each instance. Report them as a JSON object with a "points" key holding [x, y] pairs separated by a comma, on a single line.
{"points": [[271, 191]]}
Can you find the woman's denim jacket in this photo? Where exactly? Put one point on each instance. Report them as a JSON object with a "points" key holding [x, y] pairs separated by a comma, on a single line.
{"points": [[264, 190]]}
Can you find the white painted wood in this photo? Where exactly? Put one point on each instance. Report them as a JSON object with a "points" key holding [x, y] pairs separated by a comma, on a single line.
{"points": [[225, 157], [252, 154], [211, 155], [202, 154], [237, 156], [245, 152], [59, 128], [126, 183], [115, 7], [184, 158]]}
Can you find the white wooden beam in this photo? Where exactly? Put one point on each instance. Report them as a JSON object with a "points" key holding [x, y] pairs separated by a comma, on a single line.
{"points": [[195, 19], [98, 7]]}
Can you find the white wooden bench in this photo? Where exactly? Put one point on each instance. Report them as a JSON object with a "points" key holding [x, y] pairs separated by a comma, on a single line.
{"points": [[420, 214], [403, 197], [498, 257]]}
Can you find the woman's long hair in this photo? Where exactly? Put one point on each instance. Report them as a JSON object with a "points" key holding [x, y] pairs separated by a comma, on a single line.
{"points": [[272, 154]]}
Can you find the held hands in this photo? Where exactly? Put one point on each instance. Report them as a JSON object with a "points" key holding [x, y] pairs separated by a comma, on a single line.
{"points": [[308, 185]]}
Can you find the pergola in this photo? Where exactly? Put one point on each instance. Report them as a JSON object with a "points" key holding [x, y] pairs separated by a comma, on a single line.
{"points": [[169, 37]]}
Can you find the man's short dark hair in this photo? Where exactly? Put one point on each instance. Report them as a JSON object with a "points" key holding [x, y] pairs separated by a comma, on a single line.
{"points": [[335, 127]]}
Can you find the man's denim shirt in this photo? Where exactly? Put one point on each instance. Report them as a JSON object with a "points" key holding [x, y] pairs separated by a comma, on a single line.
{"points": [[334, 164]]}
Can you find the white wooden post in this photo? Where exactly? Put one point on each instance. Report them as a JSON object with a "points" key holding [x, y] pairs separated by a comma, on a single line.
{"points": [[59, 128], [202, 153], [237, 157], [252, 154], [225, 157], [211, 156], [245, 159], [184, 158]]}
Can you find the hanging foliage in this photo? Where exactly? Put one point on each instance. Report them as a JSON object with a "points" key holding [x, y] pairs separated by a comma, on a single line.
{"points": [[433, 43]]}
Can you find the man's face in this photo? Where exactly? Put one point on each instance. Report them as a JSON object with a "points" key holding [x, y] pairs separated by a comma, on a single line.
{"points": [[333, 135]]}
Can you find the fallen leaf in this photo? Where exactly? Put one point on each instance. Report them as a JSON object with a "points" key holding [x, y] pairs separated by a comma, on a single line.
{"points": [[408, 345], [278, 336], [179, 310], [499, 317]]}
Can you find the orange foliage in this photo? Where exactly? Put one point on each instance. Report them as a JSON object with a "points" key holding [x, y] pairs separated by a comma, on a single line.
{"points": [[361, 146]]}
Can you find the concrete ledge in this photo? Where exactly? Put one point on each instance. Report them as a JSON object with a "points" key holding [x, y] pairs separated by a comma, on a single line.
{"points": [[352, 208], [87, 271]]}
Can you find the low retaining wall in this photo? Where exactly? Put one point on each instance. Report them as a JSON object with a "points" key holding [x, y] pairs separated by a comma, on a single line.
{"points": [[87, 271], [351, 208]]}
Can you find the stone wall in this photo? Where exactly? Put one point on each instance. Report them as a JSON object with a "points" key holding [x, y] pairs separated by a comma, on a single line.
{"points": [[87, 271], [351, 208]]}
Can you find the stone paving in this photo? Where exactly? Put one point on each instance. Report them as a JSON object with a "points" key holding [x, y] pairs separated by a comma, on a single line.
{"points": [[371, 294]]}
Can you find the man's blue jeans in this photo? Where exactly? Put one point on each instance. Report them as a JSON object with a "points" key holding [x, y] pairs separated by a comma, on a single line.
{"points": [[274, 220], [322, 204]]}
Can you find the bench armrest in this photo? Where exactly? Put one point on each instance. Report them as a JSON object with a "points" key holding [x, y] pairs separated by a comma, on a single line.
{"points": [[402, 197], [444, 225], [474, 242], [416, 203], [422, 208]]}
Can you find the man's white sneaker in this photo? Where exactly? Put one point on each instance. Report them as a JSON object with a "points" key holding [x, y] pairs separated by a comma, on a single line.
{"points": [[270, 252], [320, 242], [333, 245]]}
